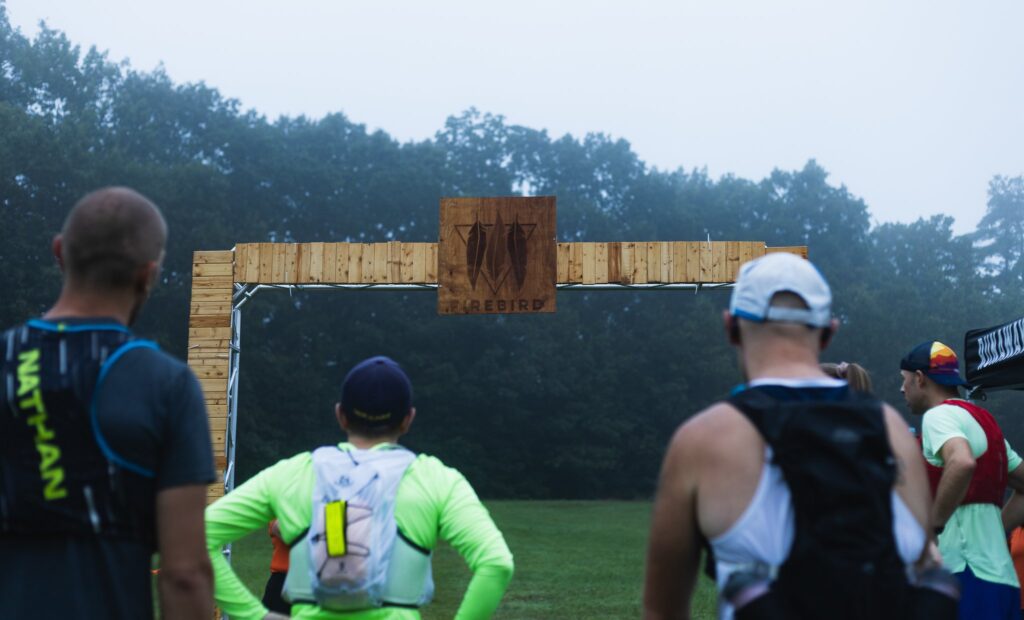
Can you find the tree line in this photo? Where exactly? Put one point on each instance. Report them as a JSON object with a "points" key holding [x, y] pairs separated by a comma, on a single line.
{"points": [[579, 404]]}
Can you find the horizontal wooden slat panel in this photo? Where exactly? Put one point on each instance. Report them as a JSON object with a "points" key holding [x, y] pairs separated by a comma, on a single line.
{"points": [[214, 385], [210, 332], [210, 372], [392, 262], [209, 363], [217, 411], [207, 354], [215, 295], [212, 269], [329, 263], [213, 256], [209, 344], [210, 307], [223, 320], [219, 282]]}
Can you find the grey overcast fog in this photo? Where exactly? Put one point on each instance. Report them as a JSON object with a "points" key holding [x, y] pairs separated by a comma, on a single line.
{"points": [[913, 106]]}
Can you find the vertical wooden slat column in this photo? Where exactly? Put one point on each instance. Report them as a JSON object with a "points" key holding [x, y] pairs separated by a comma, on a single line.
{"points": [[209, 334]]}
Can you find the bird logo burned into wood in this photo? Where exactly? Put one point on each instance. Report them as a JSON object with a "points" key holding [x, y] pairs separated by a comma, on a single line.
{"points": [[496, 250]]}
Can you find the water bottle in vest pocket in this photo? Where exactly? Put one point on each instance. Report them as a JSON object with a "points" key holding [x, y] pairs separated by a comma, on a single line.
{"points": [[353, 531]]}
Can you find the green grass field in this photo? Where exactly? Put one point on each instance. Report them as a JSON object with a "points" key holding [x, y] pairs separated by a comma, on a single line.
{"points": [[573, 560]]}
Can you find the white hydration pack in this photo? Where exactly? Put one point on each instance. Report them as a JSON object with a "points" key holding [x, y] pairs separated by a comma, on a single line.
{"points": [[353, 557]]}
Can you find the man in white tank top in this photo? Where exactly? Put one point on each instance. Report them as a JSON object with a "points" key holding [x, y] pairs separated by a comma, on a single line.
{"points": [[715, 483]]}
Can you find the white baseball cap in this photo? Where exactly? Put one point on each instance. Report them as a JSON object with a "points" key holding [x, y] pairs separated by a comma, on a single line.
{"points": [[760, 279]]}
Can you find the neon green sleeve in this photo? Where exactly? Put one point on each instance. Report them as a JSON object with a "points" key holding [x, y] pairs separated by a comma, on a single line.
{"points": [[245, 509], [939, 425], [468, 527]]}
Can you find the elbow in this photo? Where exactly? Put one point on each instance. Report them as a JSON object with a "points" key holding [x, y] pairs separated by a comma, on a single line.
{"points": [[500, 570], [187, 580], [504, 570], [968, 466], [962, 465]]}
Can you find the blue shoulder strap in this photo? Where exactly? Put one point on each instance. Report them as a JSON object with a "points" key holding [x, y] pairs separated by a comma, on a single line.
{"points": [[50, 326], [104, 370]]}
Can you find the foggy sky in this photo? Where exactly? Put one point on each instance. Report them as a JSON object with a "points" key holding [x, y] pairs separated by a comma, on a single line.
{"points": [[914, 106]]}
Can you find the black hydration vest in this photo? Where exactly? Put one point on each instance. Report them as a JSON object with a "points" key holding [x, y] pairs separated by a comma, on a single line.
{"points": [[840, 470], [58, 475]]}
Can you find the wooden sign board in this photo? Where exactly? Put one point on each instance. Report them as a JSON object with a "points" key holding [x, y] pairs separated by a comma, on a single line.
{"points": [[497, 255]]}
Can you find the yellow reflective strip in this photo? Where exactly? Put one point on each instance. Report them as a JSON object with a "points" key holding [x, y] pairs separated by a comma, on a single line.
{"points": [[334, 528]]}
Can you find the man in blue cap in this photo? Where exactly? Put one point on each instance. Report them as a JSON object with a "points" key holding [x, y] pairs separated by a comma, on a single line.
{"points": [[328, 519], [969, 466]]}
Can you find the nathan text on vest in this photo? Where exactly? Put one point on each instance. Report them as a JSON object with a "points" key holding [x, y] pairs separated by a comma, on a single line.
{"points": [[31, 403]]}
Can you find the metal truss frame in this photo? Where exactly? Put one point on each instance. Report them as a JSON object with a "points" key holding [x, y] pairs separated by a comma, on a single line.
{"points": [[244, 292]]}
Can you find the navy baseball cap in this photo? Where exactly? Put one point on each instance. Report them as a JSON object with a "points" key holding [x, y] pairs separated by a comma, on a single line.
{"points": [[376, 393], [937, 361]]}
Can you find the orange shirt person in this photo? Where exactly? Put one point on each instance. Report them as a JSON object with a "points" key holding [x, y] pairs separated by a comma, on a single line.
{"points": [[1017, 553], [272, 598]]}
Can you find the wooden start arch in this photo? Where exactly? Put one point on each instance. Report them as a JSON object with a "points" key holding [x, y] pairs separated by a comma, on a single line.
{"points": [[224, 280]]}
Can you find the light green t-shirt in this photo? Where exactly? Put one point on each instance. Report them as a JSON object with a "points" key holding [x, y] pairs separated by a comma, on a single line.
{"points": [[974, 535], [434, 501]]}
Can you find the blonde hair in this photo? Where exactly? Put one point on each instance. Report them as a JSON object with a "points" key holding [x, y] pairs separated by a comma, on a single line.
{"points": [[855, 374]]}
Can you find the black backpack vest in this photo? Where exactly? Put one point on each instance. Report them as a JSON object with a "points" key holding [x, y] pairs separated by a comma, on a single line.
{"points": [[58, 475], [836, 460]]}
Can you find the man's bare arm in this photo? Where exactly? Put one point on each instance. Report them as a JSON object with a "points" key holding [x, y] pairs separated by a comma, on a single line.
{"points": [[673, 551], [957, 470], [186, 578], [912, 480]]}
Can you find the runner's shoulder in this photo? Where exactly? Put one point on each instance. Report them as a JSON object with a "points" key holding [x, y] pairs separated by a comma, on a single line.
{"points": [[946, 414], [714, 428], [155, 367], [429, 465], [433, 477]]}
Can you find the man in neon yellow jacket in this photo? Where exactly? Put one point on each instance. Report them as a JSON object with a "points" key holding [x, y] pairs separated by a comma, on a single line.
{"points": [[433, 501]]}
